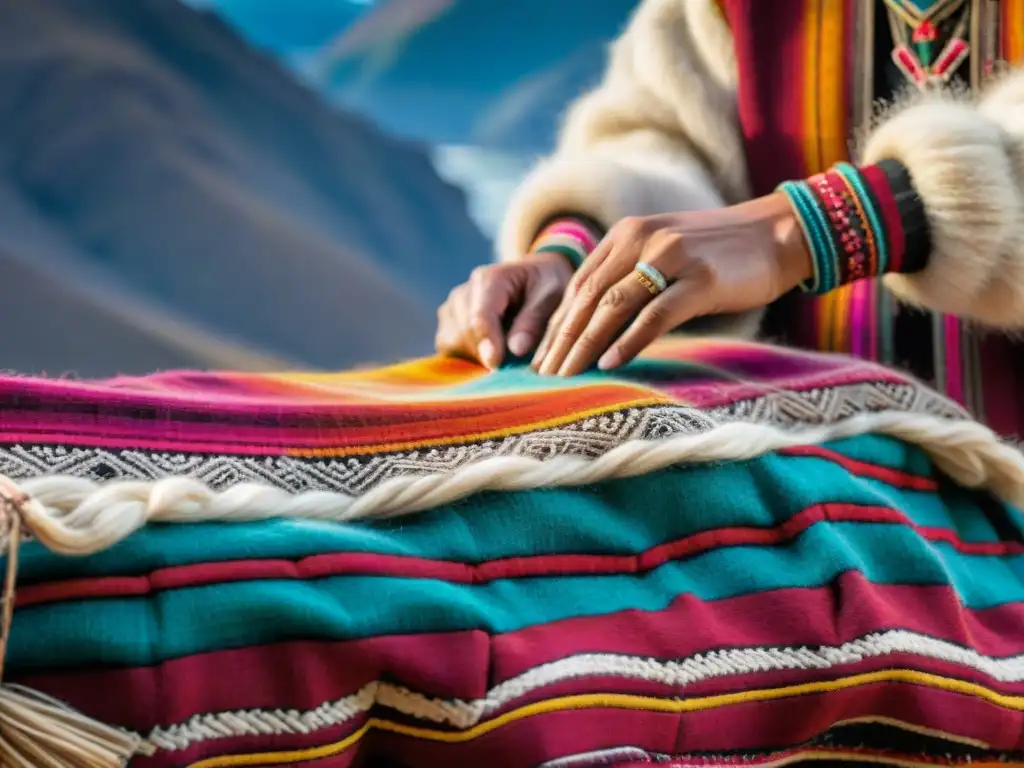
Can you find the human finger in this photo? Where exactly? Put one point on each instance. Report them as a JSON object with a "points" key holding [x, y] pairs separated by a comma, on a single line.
{"points": [[620, 303], [549, 331], [585, 299], [446, 334], [596, 257], [684, 300], [489, 298], [452, 337], [540, 304], [591, 263]]}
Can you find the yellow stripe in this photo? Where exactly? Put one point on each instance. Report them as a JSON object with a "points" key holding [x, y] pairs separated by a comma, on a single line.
{"points": [[1013, 21], [812, 90], [825, 131], [812, 133], [494, 434], [832, 100], [832, 91], [622, 701]]}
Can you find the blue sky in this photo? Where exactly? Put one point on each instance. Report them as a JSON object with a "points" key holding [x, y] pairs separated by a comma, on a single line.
{"points": [[287, 25], [458, 78], [484, 82]]}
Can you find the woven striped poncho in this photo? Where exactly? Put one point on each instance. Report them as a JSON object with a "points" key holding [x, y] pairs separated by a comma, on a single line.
{"points": [[827, 587]]}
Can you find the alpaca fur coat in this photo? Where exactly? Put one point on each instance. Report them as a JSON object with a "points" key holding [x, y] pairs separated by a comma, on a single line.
{"points": [[661, 133]]}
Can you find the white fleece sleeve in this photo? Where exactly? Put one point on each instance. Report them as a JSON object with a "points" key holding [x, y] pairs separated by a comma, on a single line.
{"points": [[659, 134], [966, 159]]}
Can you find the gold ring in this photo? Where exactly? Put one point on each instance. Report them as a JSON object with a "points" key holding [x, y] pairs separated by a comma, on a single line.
{"points": [[646, 282]]}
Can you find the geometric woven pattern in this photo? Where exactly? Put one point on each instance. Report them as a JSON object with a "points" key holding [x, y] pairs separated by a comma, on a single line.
{"points": [[303, 433], [840, 601]]}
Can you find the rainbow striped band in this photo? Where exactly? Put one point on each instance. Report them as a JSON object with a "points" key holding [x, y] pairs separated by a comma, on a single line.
{"points": [[653, 275], [814, 223], [569, 237], [852, 225]]}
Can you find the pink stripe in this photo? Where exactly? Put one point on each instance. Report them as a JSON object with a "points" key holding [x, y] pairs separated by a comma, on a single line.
{"points": [[575, 230], [720, 393], [957, 48], [858, 332], [903, 56], [873, 299], [334, 426]]}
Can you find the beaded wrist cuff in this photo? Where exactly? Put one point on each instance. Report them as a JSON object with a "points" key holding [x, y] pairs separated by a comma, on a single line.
{"points": [[570, 236], [857, 221]]}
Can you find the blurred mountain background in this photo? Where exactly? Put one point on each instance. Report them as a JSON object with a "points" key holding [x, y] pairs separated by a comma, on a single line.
{"points": [[263, 183]]}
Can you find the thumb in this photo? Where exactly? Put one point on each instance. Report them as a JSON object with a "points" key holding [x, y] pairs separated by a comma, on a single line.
{"points": [[491, 298], [540, 303]]}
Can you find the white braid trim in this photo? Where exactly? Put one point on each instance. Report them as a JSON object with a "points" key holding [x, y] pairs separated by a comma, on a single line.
{"points": [[77, 516], [677, 674]]}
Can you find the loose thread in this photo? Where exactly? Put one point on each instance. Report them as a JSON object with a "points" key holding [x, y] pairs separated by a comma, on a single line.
{"points": [[11, 517], [36, 730]]}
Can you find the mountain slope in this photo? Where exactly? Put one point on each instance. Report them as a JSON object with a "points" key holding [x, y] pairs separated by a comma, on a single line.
{"points": [[470, 57], [205, 181]]}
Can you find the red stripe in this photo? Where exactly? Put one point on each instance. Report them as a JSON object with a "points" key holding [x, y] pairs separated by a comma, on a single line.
{"points": [[560, 565], [325, 426], [305, 674], [752, 726], [905, 59], [746, 727], [895, 237], [770, 97], [896, 477], [758, 680], [957, 49]]}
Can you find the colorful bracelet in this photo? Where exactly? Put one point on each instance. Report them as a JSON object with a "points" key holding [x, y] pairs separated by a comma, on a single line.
{"points": [[814, 221], [855, 223], [570, 236]]}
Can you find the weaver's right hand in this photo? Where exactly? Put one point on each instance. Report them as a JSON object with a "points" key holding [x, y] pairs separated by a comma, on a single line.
{"points": [[518, 295]]}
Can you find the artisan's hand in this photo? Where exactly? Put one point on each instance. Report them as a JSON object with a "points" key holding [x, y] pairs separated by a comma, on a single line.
{"points": [[525, 293], [721, 261]]}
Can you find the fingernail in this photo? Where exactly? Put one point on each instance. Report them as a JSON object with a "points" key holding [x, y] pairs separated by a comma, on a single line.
{"points": [[487, 353], [609, 359], [519, 344], [548, 369]]}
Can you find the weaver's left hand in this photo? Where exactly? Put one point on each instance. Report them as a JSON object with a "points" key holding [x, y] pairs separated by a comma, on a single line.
{"points": [[728, 260]]}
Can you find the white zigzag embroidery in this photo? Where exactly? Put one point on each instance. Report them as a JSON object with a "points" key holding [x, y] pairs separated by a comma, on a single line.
{"points": [[589, 438], [677, 674]]}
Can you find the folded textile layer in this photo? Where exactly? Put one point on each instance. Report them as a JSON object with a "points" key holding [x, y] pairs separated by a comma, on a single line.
{"points": [[838, 602], [194, 446], [725, 549]]}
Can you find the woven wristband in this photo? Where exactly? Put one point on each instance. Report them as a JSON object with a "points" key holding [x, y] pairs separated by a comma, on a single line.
{"points": [[570, 237], [814, 223], [859, 223], [850, 228], [868, 207]]}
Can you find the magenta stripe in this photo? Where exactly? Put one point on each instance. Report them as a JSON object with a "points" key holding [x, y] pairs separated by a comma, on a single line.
{"points": [[575, 230], [954, 362], [710, 394], [859, 299]]}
